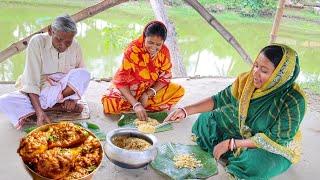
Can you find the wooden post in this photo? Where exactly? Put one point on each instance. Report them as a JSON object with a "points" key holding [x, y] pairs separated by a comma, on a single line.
{"points": [[219, 27], [178, 68], [276, 22], [81, 15]]}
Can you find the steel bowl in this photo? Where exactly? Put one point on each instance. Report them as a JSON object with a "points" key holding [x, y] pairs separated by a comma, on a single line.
{"points": [[130, 159], [36, 176]]}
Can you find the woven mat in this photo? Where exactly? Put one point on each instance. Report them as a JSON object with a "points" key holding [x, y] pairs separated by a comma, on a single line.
{"points": [[56, 116]]}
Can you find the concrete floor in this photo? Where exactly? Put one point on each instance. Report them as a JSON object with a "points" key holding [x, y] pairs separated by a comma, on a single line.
{"points": [[196, 89]]}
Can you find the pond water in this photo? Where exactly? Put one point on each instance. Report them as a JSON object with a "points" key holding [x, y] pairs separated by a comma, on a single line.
{"points": [[104, 36]]}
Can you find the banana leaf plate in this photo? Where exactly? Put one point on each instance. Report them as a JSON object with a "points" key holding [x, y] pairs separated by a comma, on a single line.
{"points": [[164, 162], [126, 120]]}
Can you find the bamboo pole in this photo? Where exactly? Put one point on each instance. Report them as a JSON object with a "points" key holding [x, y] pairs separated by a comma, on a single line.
{"points": [[219, 27], [276, 22], [79, 16]]}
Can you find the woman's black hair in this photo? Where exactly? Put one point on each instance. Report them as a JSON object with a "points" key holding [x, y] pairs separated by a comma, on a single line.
{"points": [[156, 29], [274, 53]]}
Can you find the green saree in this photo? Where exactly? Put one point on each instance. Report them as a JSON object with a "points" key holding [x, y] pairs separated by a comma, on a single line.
{"points": [[270, 116]]}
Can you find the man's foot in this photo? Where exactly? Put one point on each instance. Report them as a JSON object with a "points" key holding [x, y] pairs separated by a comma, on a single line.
{"points": [[79, 108], [68, 106]]}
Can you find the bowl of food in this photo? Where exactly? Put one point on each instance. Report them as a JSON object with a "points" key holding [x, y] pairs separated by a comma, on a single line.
{"points": [[129, 148], [61, 151]]}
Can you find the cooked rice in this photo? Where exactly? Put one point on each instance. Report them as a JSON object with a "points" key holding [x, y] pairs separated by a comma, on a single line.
{"points": [[147, 126], [186, 161], [150, 121], [194, 138], [131, 143]]}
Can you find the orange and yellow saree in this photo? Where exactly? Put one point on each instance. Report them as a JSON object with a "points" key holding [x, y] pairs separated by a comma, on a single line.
{"points": [[139, 72]]}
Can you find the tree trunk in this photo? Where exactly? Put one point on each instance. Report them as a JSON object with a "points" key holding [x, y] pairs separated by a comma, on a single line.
{"points": [[276, 22], [178, 69], [218, 26], [81, 15]]}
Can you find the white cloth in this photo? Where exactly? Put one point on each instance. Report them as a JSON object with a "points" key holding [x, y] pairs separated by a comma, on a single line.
{"points": [[17, 105], [43, 59]]}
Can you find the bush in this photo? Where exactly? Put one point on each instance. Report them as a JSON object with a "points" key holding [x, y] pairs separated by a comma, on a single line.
{"points": [[244, 7], [257, 7]]}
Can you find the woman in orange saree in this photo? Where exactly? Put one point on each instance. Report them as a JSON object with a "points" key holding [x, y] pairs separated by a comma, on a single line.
{"points": [[142, 83]]}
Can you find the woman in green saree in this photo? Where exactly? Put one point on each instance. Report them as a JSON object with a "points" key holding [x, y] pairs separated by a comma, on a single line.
{"points": [[254, 123]]}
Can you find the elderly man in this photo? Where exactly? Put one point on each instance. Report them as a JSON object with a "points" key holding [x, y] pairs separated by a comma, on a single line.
{"points": [[54, 77]]}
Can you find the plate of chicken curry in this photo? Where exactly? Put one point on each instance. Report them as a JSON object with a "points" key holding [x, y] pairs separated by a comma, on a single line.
{"points": [[61, 151]]}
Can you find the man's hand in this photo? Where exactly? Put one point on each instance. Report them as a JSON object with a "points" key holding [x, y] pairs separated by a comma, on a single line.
{"points": [[42, 118]]}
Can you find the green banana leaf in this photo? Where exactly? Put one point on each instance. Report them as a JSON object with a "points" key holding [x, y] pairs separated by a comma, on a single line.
{"points": [[95, 129], [29, 129], [126, 120], [89, 126], [164, 162]]}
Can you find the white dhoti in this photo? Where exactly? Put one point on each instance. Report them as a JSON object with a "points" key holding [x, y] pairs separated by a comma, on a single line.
{"points": [[17, 105]]}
